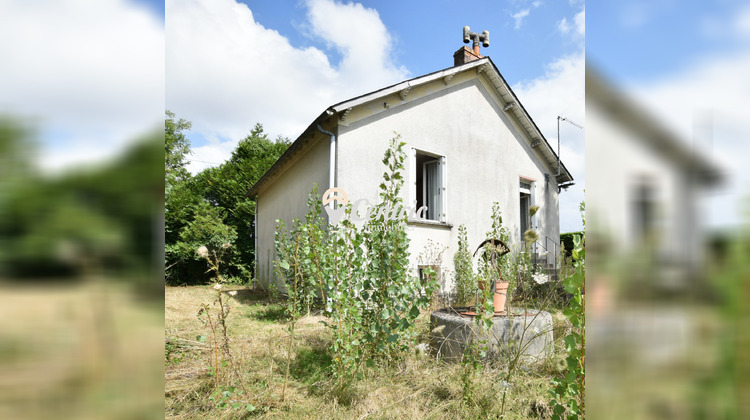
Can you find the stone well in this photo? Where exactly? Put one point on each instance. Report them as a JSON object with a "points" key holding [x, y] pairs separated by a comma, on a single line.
{"points": [[453, 330]]}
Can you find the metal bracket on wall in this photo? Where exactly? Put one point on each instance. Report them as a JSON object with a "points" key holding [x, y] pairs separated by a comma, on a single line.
{"points": [[404, 92], [345, 114]]}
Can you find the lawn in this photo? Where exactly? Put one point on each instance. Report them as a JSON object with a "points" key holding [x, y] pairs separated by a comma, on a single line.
{"points": [[85, 350], [418, 387]]}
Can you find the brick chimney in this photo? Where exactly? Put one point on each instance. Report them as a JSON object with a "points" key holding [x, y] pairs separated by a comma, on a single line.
{"points": [[464, 55]]}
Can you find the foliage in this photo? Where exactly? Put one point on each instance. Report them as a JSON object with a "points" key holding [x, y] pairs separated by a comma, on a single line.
{"points": [[206, 229], [466, 282], [393, 297], [489, 269], [475, 361], [176, 149], [722, 392], [413, 387], [86, 220], [302, 257], [568, 391], [224, 395], [566, 241], [432, 257], [223, 188], [362, 274]]}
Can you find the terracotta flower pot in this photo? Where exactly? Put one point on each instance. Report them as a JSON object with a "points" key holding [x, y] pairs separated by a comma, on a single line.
{"points": [[500, 296]]}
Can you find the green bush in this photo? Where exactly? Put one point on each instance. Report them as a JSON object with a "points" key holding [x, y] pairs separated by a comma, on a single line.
{"points": [[566, 242]]}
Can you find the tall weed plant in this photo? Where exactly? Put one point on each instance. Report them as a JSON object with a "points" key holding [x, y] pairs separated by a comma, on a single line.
{"points": [[568, 390], [360, 275]]}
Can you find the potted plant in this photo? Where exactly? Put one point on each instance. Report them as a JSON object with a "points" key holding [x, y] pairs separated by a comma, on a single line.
{"points": [[493, 250]]}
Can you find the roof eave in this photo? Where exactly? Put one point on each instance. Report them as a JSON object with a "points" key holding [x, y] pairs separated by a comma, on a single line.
{"points": [[290, 152], [445, 74]]}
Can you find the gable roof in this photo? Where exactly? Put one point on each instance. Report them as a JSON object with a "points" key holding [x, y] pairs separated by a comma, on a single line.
{"points": [[511, 105], [627, 113]]}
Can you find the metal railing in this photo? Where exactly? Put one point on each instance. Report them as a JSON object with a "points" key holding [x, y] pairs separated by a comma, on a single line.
{"points": [[550, 252]]}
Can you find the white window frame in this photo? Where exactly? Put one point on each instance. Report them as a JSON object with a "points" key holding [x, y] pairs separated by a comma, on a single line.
{"points": [[531, 192], [442, 161]]}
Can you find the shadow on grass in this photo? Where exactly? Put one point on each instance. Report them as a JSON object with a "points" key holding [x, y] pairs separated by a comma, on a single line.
{"points": [[311, 365], [270, 313], [249, 296]]}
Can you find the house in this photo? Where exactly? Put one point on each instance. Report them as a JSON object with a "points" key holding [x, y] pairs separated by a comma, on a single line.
{"points": [[643, 188], [469, 140]]}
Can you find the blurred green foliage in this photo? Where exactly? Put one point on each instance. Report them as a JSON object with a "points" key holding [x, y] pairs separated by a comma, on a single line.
{"points": [[108, 219], [89, 220]]}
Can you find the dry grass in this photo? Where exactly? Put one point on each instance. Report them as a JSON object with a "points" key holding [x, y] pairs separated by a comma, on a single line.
{"points": [[417, 388], [84, 351]]}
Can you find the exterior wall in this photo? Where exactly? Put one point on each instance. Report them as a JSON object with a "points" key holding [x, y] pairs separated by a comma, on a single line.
{"points": [[610, 195], [485, 157], [285, 198]]}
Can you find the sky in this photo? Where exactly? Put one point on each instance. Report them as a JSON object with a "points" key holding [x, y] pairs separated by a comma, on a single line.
{"points": [[88, 77], [93, 77], [230, 64], [686, 63]]}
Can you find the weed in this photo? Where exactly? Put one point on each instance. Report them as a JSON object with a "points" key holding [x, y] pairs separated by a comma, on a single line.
{"points": [[568, 390], [222, 354]]}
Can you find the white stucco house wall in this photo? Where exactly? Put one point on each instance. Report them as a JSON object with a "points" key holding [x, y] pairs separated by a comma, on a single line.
{"points": [[643, 185], [469, 142]]}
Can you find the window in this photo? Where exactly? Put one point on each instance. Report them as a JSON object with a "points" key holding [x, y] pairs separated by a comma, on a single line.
{"points": [[422, 275], [526, 191], [525, 225], [429, 185], [644, 206]]}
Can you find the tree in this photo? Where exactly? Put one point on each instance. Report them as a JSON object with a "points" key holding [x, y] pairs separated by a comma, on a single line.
{"points": [[224, 188], [176, 148], [86, 220]]}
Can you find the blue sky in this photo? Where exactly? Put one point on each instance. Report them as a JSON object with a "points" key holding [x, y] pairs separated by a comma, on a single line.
{"points": [[426, 33], [639, 41]]}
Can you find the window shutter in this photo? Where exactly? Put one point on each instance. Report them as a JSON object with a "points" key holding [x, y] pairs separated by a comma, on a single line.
{"points": [[532, 187], [443, 189], [413, 171]]}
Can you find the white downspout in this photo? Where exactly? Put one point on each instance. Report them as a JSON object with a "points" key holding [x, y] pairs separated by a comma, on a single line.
{"points": [[255, 239], [332, 161]]}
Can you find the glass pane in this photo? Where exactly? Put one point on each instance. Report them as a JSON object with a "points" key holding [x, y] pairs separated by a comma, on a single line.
{"points": [[433, 190]]}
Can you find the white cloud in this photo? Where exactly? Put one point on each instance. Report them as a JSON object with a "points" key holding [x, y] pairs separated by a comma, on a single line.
{"points": [[225, 71], [518, 17], [741, 24], [580, 21], [563, 26], [579, 24], [637, 13], [561, 91], [90, 73]]}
